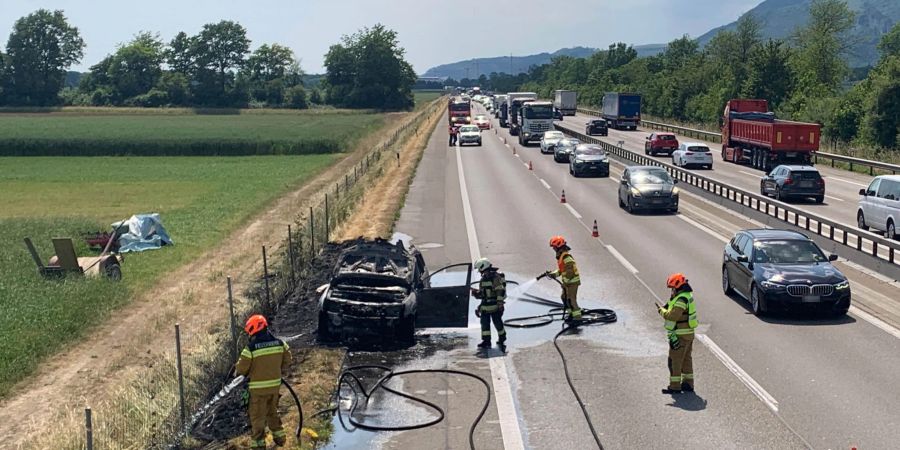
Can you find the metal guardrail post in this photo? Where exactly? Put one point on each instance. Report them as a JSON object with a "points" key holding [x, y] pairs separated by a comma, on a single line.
{"points": [[88, 429], [232, 321], [181, 404]]}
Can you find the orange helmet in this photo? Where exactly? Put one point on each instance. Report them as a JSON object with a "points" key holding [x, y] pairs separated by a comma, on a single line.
{"points": [[557, 241], [255, 324], [676, 281]]}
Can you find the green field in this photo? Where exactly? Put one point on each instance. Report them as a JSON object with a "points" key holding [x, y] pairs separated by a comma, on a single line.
{"points": [[200, 199], [423, 97], [180, 132]]}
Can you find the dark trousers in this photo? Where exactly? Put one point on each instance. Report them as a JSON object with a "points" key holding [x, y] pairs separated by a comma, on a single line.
{"points": [[452, 139], [486, 319]]}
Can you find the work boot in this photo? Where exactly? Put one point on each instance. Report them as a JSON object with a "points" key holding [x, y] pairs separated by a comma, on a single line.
{"points": [[687, 387], [671, 391], [484, 344]]}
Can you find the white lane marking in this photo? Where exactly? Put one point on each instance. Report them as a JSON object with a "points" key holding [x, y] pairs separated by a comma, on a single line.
{"points": [[507, 145], [847, 181], [525, 164], [572, 210], [702, 228], [754, 175], [834, 198], [884, 326], [545, 184], [739, 372], [506, 409], [622, 259], [517, 155], [877, 275]]}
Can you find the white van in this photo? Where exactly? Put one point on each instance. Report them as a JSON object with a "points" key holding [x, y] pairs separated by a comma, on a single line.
{"points": [[879, 207]]}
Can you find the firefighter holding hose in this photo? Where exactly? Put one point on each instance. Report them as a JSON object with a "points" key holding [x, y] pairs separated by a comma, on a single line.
{"points": [[569, 278], [263, 361], [492, 293]]}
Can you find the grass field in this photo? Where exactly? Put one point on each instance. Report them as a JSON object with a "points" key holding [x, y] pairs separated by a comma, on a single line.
{"points": [[423, 97], [200, 199], [103, 132]]}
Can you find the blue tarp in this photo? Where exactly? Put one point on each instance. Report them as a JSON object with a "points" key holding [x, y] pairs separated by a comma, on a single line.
{"points": [[142, 232], [754, 115]]}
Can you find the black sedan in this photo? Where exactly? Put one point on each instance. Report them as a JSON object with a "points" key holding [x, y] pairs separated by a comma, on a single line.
{"points": [[564, 149], [783, 269], [596, 126], [647, 188], [589, 159]]}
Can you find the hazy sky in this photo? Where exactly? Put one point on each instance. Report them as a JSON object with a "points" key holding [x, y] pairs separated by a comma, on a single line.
{"points": [[432, 32]]}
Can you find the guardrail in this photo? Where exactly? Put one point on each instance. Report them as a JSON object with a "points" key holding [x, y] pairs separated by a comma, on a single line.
{"points": [[717, 137], [855, 239]]}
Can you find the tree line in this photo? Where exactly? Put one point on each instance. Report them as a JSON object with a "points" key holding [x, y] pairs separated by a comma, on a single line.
{"points": [[214, 68], [804, 78]]}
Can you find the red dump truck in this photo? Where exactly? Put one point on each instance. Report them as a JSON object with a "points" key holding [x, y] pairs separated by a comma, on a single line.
{"points": [[459, 112], [751, 134]]}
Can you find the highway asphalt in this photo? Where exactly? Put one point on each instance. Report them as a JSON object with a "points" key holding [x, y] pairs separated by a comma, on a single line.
{"points": [[782, 382]]}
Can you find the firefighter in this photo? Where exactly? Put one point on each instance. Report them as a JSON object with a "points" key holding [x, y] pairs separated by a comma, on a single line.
{"points": [[492, 293], [453, 133], [567, 272], [263, 361], [680, 314]]}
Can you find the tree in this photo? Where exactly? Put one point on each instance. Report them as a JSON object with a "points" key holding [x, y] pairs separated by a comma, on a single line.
{"points": [[178, 54], [135, 68], [890, 43], [218, 52], [769, 75], [368, 70], [270, 62], [40, 48], [822, 46]]}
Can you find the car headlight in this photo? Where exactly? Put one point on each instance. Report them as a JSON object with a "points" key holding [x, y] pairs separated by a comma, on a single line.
{"points": [[770, 285], [675, 191], [578, 161], [635, 192], [842, 285], [527, 134]]}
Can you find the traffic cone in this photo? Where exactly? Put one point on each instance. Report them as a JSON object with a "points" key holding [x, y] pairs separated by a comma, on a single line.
{"points": [[514, 149], [530, 165], [595, 232], [562, 198]]}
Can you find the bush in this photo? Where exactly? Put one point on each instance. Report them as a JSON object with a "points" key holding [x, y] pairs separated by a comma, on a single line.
{"points": [[296, 98], [152, 99]]}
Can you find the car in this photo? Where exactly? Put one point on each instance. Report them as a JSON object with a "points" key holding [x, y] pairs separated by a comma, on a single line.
{"points": [[648, 188], [564, 149], [557, 114], [550, 139], [879, 207], [469, 134], [692, 154], [787, 181], [589, 159], [596, 126], [660, 143], [781, 269], [482, 122], [383, 290]]}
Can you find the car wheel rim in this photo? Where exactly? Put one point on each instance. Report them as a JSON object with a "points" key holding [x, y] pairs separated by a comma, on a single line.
{"points": [[754, 299], [890, 231], [725, 282], [860, 221]]}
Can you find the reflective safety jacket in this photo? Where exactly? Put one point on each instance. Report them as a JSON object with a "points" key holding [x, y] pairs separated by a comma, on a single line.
{"points": [[263, 361], [566, 269], [680, 314], [491, 290]]}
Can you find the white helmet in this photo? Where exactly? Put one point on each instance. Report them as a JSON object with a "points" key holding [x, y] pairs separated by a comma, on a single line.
{"points": [[482, 264]]}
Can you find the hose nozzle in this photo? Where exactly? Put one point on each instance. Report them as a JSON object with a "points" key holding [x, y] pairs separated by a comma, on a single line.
{"points": [[543, 275]]}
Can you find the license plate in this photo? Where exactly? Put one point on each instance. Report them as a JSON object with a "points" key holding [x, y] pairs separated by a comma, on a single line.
{"points": [[812, 299], [806, 184]]}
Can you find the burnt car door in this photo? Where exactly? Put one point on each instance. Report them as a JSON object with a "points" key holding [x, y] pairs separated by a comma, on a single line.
{"points": [[443, 299]]}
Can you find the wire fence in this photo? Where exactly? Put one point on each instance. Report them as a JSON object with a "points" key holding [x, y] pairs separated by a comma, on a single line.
{"points": [[157, 411]]}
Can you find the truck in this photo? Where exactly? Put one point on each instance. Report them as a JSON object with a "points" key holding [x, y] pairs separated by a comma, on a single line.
{"points": [[751, 134], [622, 110], [534, 119], [514, 101], [565, 101], [499, 111], [459, 111]]}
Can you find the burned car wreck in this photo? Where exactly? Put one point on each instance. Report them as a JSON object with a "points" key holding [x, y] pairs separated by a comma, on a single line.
{"points": [[382, 290]]}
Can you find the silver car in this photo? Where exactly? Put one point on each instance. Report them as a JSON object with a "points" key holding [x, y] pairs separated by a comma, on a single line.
{"points": [[879, 207], [550, 139]]}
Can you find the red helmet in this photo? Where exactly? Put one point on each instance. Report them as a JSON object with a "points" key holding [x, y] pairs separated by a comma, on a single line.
{"points": [[557, 241], [676, 281], [255, 324]]}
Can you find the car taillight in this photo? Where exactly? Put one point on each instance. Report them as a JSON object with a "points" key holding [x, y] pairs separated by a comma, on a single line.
{"points": [[820, 182], [689, 153], [788, 181]]}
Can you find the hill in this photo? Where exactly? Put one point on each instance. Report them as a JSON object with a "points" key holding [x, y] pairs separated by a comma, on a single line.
{"points": [[472, 68], [779, 19]]}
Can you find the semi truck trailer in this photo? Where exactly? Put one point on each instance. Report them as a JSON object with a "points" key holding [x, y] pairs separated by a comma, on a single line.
{"points": [[751, 134], [622, 110], [565, 101]]}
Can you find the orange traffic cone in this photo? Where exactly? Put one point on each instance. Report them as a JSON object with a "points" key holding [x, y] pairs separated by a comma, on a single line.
{"points": [[595, 232], [562, 199], [530, 165]]}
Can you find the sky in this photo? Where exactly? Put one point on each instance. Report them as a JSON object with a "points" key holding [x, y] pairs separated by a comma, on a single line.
{"points": [[432, 32]]}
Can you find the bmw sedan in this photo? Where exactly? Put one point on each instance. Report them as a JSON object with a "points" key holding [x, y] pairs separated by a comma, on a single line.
{"points": [[589, 159], [780, 269], [647, 188]]}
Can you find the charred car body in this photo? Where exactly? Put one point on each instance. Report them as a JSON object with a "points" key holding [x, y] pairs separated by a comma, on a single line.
{"points": [[383, 290]]}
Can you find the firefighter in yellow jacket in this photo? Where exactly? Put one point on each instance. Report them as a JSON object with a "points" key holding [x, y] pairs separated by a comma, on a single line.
{"points": [[680, 314], [567, 272], [263, 361]]}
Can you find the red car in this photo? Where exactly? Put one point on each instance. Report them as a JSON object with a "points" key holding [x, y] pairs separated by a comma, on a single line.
{"points": [[660, 143], [483, 122]]}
